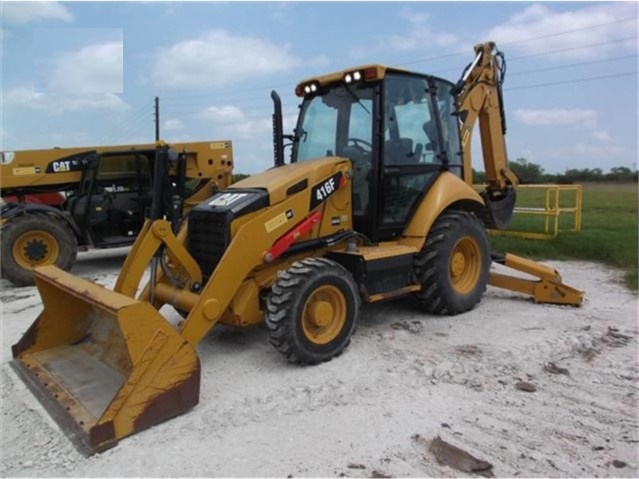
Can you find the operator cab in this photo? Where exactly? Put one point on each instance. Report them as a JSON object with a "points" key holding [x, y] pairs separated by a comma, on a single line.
{"points": [[397, 128], [113, 194]]}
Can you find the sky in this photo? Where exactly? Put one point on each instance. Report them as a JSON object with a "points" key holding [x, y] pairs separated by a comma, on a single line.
{"points": [[87, 73]]}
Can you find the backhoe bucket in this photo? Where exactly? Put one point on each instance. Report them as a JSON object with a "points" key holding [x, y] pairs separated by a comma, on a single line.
{"points": [[104, 365]]}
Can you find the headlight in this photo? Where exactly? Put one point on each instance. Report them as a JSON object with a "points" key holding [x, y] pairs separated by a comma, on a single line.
{"points": [[311, 88], [352, 77]]}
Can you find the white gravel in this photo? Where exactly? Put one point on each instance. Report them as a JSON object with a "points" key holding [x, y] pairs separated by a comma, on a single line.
{"points": [[406, 378]]}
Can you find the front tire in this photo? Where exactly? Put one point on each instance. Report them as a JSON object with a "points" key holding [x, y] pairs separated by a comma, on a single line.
{"points": [[453, 265], [33, 240], [311, 311]]}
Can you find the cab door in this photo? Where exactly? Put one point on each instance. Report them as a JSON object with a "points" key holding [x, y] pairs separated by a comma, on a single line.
{"points": [[415, 147]]}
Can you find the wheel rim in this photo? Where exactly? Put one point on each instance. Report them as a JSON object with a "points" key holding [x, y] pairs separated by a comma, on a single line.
{"points": [[324, 314], [35, 248], [465, 265]]}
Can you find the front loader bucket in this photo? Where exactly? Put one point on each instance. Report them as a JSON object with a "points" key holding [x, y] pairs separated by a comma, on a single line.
{"points": [[104, 365]]}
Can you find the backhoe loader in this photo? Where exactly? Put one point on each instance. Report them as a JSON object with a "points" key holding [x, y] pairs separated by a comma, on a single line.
{"points": [[61, 200], [375, 203]]}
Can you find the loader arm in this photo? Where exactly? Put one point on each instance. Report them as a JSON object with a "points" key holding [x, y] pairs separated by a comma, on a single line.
{"points": [[155, 235]]}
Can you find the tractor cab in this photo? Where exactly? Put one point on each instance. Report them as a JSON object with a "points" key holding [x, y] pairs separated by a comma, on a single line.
{"points": [[398, 129], [114, 191]]}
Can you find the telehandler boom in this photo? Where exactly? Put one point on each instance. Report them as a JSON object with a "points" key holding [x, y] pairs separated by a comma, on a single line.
{"points": [[376, 203], [61, 200]]}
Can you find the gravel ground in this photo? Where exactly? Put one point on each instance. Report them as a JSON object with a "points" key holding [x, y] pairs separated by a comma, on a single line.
{"points": [[405, 379]]}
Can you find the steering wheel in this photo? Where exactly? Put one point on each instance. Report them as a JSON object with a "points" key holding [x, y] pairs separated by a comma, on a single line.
{"points": [[358, 142]]}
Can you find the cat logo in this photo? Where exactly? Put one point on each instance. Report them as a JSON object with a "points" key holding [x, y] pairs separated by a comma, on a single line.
{"points": [[61, 166], [226, 199]]}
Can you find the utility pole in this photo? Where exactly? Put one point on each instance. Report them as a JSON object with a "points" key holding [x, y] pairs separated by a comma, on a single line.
{"points": [[157, 119]]}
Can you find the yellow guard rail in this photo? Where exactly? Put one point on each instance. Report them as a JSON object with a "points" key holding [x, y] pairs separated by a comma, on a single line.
{"points": [[555, 204]]}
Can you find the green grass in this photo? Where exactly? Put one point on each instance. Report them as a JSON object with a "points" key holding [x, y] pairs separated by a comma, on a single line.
{"points": [[608, 235]]}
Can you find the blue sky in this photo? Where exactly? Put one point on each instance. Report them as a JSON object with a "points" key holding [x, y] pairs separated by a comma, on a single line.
{"points": [[86, 73]]}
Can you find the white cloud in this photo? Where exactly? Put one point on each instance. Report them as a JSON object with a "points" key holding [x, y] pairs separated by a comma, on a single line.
{"points": [[558, 116], [419, 34], [280, 11], [231, 120], [601, 135], [96, 68], [231, 116], [587, 151], [539, 23], [58, 103], [217, 58], [173, 125], [24, 12], [253, 147]]}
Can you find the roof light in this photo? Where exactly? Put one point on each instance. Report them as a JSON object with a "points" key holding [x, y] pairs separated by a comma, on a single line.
{"points": [[307, 89], [357, 76], [313, 87], [348, 78]]}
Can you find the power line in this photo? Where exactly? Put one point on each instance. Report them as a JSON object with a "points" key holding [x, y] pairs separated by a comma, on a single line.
{"points": [[112, 136], [215, 96], [177, 107], [132, 121], [565, 32], [511, 59], [554, 52], [577, 80], [200, 116], [559, 67], [226, 92]]}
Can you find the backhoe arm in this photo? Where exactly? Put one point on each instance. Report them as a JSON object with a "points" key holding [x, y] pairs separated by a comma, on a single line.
{"points": [[479, 97]]}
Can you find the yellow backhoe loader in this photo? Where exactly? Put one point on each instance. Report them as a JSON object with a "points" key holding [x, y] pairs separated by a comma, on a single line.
{"points": [[375, 203]]}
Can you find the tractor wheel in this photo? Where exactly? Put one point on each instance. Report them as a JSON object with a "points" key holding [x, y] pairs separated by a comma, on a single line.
{"points": [[35, 240], [453, 264], [311, 311]]}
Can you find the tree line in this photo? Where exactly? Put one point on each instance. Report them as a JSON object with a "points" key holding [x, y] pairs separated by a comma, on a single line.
{"points": [[532, 173]]}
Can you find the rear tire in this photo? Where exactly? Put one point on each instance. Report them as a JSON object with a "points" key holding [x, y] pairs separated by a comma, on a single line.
{"points": [[33, 240], [453, 264], [311, 311]]}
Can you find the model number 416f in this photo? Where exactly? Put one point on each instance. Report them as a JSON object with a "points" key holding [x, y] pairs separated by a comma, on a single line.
{"points": [[325, 189]]}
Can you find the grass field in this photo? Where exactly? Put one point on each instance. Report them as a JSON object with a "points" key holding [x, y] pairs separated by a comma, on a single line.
{"points": [[609, 229]]}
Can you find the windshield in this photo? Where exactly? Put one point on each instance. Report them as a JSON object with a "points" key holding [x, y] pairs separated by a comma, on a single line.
{"points": [[333, 117]]}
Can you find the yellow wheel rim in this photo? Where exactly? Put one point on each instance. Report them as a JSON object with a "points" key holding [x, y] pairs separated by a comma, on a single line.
{"points": [[35, 248], [465, 265], [324, 314]]}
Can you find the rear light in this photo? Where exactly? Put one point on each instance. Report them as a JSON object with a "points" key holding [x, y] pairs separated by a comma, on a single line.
{"points": [[370, 74]]}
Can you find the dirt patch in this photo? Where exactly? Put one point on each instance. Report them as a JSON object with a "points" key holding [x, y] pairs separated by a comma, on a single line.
{"points": [[404, 374]]}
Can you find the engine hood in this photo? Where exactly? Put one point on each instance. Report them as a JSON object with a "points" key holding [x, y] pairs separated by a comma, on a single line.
{"points": [[283, 181]]}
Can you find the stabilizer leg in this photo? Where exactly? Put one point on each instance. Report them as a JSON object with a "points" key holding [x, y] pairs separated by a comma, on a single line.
{"points": [[549, 288]]}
